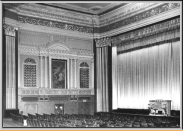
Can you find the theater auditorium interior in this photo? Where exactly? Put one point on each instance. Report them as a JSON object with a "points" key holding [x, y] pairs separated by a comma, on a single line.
{"points": [[91, 65]]}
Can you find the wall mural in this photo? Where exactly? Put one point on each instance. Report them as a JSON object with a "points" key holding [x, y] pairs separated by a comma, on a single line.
{"points": [[59, 76]]}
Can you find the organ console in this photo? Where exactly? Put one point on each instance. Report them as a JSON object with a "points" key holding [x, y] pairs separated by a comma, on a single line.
{"points": [[59, 108], [160, 107]]}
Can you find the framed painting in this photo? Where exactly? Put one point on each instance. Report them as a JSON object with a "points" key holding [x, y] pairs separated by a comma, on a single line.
{"points": [[59, 74]]}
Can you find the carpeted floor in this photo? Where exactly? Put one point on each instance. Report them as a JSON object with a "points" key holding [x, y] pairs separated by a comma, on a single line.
{"points": [[7, 122]]}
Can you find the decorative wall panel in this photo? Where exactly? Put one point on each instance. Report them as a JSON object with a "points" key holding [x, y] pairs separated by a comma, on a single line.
{"points": [[80, 44], [33, 38]]}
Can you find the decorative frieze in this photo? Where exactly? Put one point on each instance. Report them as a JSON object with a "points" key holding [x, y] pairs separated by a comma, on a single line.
{"points": [[54, 24], [154, 29], [103, 42], [9, 30], [46, 91], [50, 13], [141, 16]]}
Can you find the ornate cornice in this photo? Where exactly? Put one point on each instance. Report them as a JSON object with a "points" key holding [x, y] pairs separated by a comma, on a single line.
{"points": [[151, 30], [144, 15], [47, 30], [125, 20], [54, 24], [47, 91], [9, 30], [40, 11], [124, 12], [103, 42], [140, 24]]}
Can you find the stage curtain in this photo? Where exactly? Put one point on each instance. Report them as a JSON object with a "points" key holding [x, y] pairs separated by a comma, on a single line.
{"points": [[147, 73]]}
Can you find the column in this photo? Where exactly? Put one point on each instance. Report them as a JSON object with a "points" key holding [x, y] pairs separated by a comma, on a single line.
{"points": [[92, 75], [46, 72], [41, 71], [10, 66], [75, 74], [18, 70], [71, 76], [68, 76]]}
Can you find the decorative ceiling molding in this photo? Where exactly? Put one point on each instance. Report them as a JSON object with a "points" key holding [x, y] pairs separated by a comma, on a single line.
{"points": [[146, 13], [93, 10], [45, 29], [139, 17], [144, 22], [124, 12], [40, 11]]}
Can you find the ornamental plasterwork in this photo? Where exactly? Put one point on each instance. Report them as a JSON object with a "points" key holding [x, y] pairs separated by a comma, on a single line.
{"points": [[54, 24], [103, 42], [51, 13], [47, 30], [125, 11], [9, 30], [47, 91], [34, 44], [141, 16]]}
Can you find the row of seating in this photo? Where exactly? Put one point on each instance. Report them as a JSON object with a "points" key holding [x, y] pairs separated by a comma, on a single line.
{"points": [[97, 120]]}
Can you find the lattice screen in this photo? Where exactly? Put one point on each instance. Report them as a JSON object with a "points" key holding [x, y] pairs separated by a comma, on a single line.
{"points": [[84, 75], [29, 73]]}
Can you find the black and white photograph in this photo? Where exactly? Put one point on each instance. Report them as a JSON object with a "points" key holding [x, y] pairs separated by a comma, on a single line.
{"points": [[111, 65]]}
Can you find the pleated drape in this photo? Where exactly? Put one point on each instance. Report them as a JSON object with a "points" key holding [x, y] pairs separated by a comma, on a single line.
{"points": [[149, 74], [147, 69]]}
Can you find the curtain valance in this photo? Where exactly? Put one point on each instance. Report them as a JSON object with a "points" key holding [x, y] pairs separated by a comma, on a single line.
{"points": [[162, 32]]}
